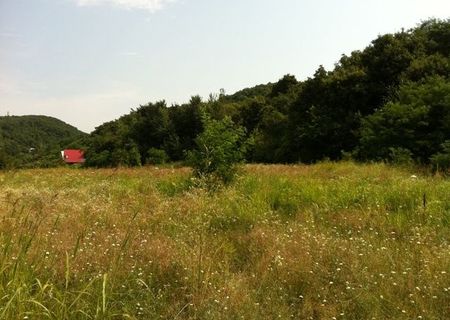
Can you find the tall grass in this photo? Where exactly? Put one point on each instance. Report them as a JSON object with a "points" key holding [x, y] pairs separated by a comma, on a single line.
{"points": [[327, 241]]}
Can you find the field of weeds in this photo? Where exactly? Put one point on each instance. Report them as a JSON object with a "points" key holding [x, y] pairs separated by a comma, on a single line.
{"points": [[329, 241]]}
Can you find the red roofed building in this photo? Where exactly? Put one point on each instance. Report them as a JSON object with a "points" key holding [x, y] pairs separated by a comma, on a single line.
{"points": [[73, 156]]}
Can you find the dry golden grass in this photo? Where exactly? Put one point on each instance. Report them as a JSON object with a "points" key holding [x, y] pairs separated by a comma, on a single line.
{"points": [[329, 241]]}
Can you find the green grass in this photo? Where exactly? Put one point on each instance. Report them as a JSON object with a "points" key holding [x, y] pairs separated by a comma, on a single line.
{"points": [[327, 241]]}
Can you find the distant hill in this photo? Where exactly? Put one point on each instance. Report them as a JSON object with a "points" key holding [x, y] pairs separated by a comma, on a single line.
{"points": [[28, 141]]}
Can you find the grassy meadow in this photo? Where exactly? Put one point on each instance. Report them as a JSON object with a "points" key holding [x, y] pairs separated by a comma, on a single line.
{"points": [[327, 241]]}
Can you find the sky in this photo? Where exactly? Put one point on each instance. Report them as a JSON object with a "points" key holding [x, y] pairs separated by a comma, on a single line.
{"points": [[90, 61]]}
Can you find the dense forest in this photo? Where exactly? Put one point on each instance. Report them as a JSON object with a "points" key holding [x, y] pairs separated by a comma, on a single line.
{"points": [[388, 102], [34, 141]]}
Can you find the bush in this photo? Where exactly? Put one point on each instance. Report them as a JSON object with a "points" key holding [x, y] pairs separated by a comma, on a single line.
{"points": [[441, 160], [400, 156], [156, 156], [219, 149], [127, 156]]}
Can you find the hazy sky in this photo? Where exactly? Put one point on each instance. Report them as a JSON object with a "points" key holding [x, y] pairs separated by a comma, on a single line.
{"points": [[90, 61]]}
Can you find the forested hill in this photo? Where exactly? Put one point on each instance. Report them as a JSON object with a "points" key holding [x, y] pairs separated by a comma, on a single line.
{"points": [[27, 141], [390, 101]]}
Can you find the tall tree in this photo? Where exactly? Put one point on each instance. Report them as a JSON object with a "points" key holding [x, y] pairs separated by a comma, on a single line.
{"points": [[418, 121]]}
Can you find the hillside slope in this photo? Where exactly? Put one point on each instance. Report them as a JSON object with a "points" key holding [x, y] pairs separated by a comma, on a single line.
{"points": [[34, 140]]}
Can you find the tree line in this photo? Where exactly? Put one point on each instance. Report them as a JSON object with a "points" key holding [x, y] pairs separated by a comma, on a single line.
{"points": [[388, 102]]}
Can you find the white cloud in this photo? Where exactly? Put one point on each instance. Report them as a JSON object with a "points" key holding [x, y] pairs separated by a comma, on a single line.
{"points": [[150, 5]]}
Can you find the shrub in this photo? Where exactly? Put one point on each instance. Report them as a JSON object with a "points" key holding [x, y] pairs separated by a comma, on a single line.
{"points": [[219, 149], [441, 160], [97, 159], [156, 156], [400, 156]]}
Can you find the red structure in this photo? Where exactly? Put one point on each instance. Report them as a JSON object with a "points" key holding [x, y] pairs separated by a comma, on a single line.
{"points": [[73, 156]]}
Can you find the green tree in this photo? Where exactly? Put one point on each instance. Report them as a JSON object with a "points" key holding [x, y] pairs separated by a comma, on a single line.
{"points": [[185, 125], [284, 85], [219, 150], [151, 128], [111, 145], [324, 119], [417, 120]]}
